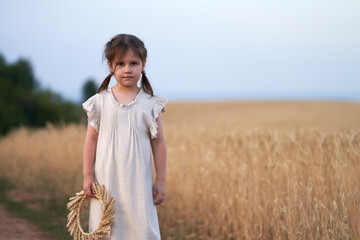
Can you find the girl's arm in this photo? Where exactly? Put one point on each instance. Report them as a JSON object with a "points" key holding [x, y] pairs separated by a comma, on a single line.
{"points": [[89, 158], [158, 147]]}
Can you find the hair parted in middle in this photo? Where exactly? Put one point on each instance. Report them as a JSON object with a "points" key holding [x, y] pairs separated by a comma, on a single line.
{"points": [[118, 46]]}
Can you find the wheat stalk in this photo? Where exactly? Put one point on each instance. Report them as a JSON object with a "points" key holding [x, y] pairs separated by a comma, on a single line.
{"points": [[75, 204]]}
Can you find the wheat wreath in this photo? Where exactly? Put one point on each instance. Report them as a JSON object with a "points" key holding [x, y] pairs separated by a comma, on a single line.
{"points": [[73, 218]]}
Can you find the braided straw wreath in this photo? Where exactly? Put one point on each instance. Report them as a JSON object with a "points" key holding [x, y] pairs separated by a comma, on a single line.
{"points": [[75, 204]]}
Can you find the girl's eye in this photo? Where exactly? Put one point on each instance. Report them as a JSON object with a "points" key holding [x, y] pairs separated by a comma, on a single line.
{"points": [[134, 63], [121, 64]]}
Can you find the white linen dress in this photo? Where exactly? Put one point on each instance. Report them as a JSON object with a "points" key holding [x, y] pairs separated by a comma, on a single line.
{"points": [[123, 162]]}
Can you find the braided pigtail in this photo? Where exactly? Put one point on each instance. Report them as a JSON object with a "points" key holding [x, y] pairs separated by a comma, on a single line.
{"points": [[104, 85], [145, 84]]}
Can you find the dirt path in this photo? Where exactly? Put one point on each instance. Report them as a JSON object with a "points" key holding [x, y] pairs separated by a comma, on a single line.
{"points": [[14, 228]]}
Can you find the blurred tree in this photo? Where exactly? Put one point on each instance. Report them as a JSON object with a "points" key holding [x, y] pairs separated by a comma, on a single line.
{"points": [[23, 102], [89, 89]]}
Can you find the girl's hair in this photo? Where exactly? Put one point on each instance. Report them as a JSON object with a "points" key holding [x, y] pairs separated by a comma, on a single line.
{"points": [[118, 46]]}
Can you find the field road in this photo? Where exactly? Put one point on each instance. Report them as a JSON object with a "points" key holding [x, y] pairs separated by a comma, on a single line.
{"points": [[15, 228]]}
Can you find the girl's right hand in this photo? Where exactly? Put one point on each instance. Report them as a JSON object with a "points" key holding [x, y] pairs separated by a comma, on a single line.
{"points": [[88, 187]]}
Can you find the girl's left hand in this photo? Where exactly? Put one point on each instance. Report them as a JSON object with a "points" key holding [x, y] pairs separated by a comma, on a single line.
{"points": [[159, 192]]}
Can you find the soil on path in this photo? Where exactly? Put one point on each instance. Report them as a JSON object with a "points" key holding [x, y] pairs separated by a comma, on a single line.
{"points": [[14, 228]]}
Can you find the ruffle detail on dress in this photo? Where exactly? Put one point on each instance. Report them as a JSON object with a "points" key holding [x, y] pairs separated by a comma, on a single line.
{"points": [[159, 105], [153, 129], [89, 106], [124, 105]]}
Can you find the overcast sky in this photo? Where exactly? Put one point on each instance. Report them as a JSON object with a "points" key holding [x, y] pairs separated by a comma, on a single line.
{"points": [[196, 49]]}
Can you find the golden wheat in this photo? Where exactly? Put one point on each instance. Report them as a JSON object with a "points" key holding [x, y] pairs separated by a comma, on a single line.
{"points": [[269, 175], [73, 218]]}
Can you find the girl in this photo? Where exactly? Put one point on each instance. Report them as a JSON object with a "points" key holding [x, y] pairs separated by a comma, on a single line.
{"points": [[124, 125]]}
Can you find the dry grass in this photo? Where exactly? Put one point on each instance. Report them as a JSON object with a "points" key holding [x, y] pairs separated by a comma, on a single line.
{"points": [[234, 170]]}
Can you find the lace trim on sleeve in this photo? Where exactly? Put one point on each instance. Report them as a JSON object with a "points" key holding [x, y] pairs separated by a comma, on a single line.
{"points": [[159, 105], [89, 106]]}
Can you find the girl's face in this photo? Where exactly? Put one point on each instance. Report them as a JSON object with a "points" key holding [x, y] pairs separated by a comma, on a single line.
{"points": [[127, 69]]}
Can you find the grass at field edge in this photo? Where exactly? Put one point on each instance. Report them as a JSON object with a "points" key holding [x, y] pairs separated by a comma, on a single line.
{"points": [[51, 218]]}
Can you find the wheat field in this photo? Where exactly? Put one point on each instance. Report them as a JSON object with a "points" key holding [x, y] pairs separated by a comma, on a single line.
{"points": [[235, 170]]}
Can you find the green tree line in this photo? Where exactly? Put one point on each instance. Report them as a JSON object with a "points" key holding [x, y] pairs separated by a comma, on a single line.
{"points": [[24, 103]]}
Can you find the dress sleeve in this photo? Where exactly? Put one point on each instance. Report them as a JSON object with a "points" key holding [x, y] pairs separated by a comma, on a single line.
{"points": [[159, 105], [93, 113]]}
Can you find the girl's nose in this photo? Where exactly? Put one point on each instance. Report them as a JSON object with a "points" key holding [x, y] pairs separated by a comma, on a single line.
{"points": [[127, 68]]}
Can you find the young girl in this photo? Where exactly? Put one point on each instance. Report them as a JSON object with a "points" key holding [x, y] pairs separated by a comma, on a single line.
{"points": [[124, 125]]}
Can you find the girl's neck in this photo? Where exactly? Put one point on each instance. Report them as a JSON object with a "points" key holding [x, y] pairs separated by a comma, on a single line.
{"points": [[125, 90]]}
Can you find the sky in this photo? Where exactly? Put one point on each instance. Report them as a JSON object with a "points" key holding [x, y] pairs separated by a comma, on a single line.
{"points": [[197, 50]]}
